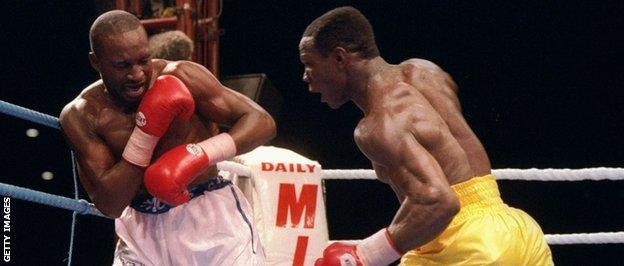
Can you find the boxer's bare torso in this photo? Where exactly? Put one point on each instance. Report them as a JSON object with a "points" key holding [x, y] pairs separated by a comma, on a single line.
{"points": [[114, 123]]}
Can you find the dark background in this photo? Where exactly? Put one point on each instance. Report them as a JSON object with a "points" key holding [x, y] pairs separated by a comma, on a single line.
{"points": [[540, 84]]}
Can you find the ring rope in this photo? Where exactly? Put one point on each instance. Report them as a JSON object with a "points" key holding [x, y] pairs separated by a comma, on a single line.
{"points": [[72, 232], [84, 207], [80, 206], [559, 239], [586, 238], [30, 115], [532, 174]]}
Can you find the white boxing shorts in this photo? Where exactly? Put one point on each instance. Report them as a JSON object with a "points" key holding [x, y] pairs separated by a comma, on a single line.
{"points": [[214, 228]]}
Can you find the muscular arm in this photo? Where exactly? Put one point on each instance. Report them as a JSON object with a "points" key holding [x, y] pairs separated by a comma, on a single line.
{"points": [[110, 183], [428, 204], [251, 125]]}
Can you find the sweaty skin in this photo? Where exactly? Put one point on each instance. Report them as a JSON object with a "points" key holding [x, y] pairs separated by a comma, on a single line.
{"points": [[412, 131], [98, 123]]}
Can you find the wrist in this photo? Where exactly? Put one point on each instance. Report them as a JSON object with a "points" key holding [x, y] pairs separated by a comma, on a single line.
{"points": [[218, 148], [139, 148], [378, 249]]}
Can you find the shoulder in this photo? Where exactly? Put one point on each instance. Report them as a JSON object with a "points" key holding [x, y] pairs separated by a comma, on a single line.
{"points": [[195, 76], [422, 64], [183, 70], [85, 107], [421, 71]]}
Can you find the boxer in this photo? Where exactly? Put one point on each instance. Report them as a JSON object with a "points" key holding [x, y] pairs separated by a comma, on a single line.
{"points": [[418, 142], [146, 140]]}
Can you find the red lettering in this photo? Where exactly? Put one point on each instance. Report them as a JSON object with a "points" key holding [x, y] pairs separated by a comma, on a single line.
{"points": [[280, 167], [267, 167], [300, 251], [288, 167], [287, 201]]}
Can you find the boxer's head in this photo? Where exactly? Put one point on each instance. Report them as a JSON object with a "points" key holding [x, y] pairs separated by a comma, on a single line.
{"points": [[120, 53], [327, 48]]}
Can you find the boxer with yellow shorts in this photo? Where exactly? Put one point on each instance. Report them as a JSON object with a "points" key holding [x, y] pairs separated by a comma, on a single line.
{"points": [[419, 143]]}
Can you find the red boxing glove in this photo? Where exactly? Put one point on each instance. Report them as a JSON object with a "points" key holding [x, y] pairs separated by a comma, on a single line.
{"points": [[167, 99], [168, 178], [378, 249], [338, 254]]}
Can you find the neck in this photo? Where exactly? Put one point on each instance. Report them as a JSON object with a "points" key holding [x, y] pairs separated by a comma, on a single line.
{"points": [[363, 75]]}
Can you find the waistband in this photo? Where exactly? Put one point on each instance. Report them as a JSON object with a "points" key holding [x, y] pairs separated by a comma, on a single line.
{"points": [[151, 205], [477, 195]]}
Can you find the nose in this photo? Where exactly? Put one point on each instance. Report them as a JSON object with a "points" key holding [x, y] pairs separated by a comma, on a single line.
{"points": [[136, 73], [305, 77]]}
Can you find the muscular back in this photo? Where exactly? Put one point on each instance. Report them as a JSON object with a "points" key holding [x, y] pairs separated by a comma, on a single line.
{"points": [[441, 91], [404, 136]]}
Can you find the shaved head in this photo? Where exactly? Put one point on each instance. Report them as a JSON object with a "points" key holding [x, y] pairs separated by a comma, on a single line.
{"points": [[111, 23], [345, 27]]}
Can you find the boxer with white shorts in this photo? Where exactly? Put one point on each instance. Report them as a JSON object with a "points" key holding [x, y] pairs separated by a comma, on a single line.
{"points": [[146, 133]]}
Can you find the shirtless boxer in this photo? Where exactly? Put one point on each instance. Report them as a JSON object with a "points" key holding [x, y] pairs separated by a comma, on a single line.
{"points": [[418, 142], [195, 217]]}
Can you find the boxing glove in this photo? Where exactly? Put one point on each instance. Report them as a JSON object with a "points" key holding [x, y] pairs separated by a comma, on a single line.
{"points": [[339, 254], [169, 176], [376, 250], [167, 99]]}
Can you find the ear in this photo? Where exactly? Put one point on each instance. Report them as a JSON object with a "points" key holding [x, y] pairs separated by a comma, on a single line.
{"points": [[95, 63], [341, 55]]}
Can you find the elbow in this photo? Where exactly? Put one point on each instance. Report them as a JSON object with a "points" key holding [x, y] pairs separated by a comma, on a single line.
{"points": [[268, 124], [445, 204], [114, 213], [449, 206], [109, 208], [110, 211]]}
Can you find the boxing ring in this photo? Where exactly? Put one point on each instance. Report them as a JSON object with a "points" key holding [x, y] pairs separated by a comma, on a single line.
{"points": [[83, 207]]}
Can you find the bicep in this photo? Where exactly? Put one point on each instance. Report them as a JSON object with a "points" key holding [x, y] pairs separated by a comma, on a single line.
{"points": [[92, 154], [213, 100], [224, 105]]}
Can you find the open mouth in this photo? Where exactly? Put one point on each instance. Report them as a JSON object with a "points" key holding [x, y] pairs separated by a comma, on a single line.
{"points": [[134, 91]]}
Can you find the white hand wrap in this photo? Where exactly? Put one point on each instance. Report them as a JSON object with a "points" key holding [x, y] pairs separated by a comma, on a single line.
{"points": [[218, 148], [140, 147], [378, 249]]}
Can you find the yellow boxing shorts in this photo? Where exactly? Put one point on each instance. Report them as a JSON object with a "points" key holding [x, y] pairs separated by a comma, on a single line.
{"points": [[485, 232]]}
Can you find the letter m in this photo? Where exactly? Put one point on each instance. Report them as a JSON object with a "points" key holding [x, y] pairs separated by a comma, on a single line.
{"points": [[288, 203]]}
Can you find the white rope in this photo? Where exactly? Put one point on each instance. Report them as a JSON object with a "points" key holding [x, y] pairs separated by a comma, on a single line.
{"points": [[532, 174], [560, 239], [586, 238], [598, 173]]}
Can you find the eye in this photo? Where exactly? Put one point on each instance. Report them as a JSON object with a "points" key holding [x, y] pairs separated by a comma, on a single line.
{"points": [[144, 61], [121, 65]]}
